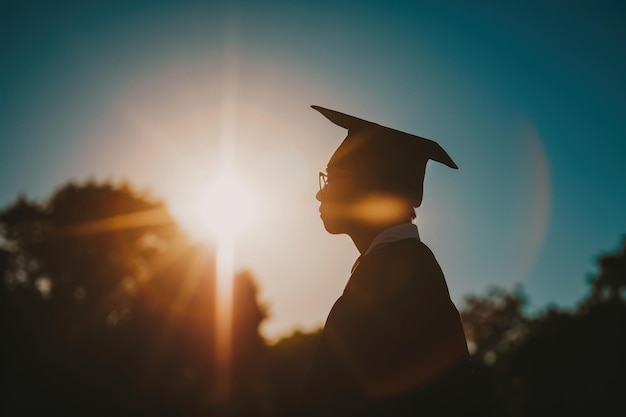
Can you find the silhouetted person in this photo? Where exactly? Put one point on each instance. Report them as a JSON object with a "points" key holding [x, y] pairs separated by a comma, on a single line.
{"points": [[393, 343]]}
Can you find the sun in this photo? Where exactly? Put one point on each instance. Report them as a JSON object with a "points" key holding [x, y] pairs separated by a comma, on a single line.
{"points": [[225, 208]]}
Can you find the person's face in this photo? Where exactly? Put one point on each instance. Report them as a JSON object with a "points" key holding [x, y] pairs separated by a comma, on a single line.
{"points": [[338, 194], [350, 203]]}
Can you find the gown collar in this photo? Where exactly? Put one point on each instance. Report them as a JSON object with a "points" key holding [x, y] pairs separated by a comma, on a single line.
{"points": [[390, 235]]}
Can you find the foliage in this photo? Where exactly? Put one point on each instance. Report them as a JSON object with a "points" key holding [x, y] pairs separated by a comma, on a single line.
{"points": [[108, 303], [494, 323], [558, 362], [108, 309], [290, 358], [610, 283]]}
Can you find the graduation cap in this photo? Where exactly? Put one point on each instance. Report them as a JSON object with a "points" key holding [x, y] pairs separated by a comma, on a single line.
{"points": [[394, 160]]}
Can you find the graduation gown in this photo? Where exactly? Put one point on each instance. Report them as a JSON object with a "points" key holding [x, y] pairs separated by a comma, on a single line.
{"points": [[393, 343]]}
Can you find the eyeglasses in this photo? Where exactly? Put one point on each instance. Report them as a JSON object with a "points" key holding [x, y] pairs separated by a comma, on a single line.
{"points": [[323, 180]]}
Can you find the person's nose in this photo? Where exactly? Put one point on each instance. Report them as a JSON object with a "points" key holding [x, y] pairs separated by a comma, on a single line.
{"points": [[320, 195]]}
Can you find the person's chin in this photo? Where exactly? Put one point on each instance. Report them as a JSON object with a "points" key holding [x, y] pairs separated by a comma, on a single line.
{"points": [[333, 230], [332, 226]]}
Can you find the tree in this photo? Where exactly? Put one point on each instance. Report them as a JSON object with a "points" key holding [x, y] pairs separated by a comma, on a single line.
{"points": [[559, 362], [494, 323], [110, 309], [610, 282]]}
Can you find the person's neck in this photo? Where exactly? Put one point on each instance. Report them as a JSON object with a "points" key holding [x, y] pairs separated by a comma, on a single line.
{"points": [[364, 236]]}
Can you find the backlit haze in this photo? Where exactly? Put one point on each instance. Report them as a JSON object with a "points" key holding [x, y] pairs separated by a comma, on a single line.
{"points": [[529, 101]]}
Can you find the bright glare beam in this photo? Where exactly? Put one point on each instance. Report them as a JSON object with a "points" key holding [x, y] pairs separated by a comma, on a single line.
{"points": [[224, 317], [229, 210]]}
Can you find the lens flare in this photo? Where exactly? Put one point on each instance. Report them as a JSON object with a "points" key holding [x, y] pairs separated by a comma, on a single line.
{"points": [[224, 316], [225, 208], [380, 209]]}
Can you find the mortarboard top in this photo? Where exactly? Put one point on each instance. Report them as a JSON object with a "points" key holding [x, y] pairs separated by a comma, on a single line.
{"points": [[397, 159]]}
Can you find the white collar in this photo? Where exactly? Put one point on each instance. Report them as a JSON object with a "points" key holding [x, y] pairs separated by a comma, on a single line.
{"points": [[387, 236], [393, 234]]}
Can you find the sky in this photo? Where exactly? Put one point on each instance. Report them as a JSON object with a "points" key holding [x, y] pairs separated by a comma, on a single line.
{"points": [[528, 98]]}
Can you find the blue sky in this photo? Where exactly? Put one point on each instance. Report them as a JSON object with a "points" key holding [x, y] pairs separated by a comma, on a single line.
{"points": [[527, 97]]}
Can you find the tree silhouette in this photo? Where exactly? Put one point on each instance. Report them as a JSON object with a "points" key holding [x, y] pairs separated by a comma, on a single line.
{"points": [[556, 363], [290, 358], [610, 282], [494, 323], [110, 310]]}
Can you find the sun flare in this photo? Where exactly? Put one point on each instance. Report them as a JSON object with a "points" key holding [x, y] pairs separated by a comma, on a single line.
{"points": [[225, 208]]}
